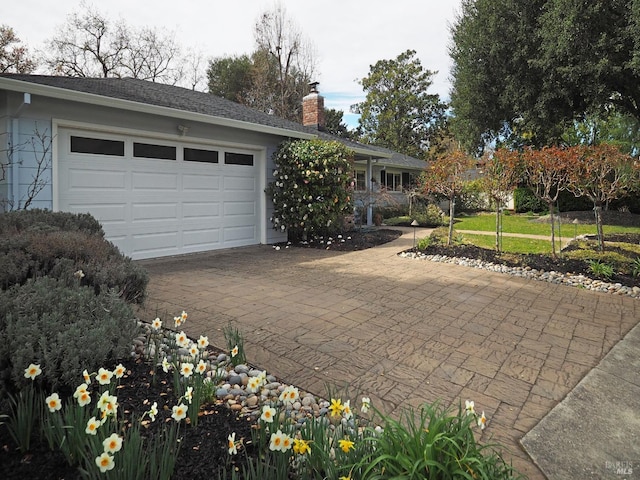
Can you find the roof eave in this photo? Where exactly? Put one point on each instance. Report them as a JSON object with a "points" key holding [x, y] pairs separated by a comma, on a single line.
{"points": [[100, 100]]}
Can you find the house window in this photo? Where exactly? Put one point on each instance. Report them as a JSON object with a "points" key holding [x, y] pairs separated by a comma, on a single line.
{"points": [[97, 146], [149, 150], [238, 159], [199, 155], [393, 181], [359, 179]]}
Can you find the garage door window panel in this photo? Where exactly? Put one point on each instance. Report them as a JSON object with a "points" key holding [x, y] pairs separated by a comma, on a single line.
{"points": [[150, 150], [97, 146], [231, 158], [200, 155]]}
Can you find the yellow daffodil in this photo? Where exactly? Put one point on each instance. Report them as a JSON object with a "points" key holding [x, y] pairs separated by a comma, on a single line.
{"points": [[301, 446], [156, 324], [233, 449], [112, 444], [105, 462], [336, 407], [345, 445], [179, 412], [92, 426], [32, 371], [53, 402]]}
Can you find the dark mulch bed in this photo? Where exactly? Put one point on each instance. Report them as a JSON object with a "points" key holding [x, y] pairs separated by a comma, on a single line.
{"points": [[203, 448], [358, 239], [539, 262]]}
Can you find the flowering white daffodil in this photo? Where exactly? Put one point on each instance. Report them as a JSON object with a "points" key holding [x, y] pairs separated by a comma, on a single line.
{"points": [[119, 371], [186, 369], [105, 462], [346, 410], [166, 366], [53, 402], [182, 340], [188, 395], [232, 444], [234, 351], [104, 376], [156, 324], [32, 371], [366, 404], [276, 442], [482, 421], [184, 316], [203, 342], [86, 377], [268, 413], [153, 412], [201, 368], [289, 395], [92, 426], [469, 406], [177, 321], [179, 412], [112, 444]]}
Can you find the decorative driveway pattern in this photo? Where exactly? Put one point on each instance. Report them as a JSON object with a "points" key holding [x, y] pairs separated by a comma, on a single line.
{"points": [[401, 331]]}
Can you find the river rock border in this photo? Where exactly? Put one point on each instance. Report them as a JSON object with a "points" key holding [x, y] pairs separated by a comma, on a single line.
{"points": [[580, 281]]}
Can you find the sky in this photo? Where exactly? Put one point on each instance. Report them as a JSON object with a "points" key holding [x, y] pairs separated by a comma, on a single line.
{"points": [[348, 35]]}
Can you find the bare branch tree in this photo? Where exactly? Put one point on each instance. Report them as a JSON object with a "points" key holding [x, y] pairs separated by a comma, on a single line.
{"points": [[39, 145], [286, 63]]}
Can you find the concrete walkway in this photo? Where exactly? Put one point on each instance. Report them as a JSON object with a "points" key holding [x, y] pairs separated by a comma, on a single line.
{"points": [[401, 331]]}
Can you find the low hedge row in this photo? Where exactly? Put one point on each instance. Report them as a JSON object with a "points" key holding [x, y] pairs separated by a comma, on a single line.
{"points": [[65, 297]]}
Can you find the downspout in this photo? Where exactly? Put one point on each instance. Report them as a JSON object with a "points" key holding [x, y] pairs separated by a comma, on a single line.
{"points": [[14, 166], [369, 182]]}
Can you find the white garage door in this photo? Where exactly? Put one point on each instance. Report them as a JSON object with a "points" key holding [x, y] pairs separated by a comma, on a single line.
{"points": [[157, 198]]}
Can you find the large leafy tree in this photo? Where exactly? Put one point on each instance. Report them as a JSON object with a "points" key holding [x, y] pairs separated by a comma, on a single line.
{"points": [[230, 77], [14, 57], [524, 69], [398, 112]]}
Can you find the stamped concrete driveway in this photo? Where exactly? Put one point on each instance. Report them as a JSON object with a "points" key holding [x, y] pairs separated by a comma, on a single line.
{"points": [[401, 331]]}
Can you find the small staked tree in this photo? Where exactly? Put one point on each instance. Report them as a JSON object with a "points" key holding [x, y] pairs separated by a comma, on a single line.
{"points": [[546, 173], [601, 173], [447, 176], [501, 174]]}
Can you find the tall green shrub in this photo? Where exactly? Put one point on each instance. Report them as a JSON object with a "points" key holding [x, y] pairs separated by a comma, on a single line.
{"points": [[63, 327], [311, 192]]}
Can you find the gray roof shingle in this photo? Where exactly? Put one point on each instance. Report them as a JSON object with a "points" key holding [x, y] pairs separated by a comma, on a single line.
{"points": [[178, 98]]}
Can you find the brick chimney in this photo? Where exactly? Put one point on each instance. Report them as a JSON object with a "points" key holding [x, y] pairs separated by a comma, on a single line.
{"points": [[313, 108]]}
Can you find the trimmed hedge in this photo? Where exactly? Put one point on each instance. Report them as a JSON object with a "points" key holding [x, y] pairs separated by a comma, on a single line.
{"points": [[58, 244], [64, 327]]}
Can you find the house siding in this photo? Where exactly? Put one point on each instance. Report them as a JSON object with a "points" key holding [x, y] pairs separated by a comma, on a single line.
{"points": [[44, 112]]}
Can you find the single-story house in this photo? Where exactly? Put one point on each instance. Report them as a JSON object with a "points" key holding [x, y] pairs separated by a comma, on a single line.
{"points": [[166, 170]]}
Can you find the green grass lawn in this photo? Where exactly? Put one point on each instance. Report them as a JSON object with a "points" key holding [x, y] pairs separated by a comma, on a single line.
{"points": [[524, 224], [513, 244]]}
